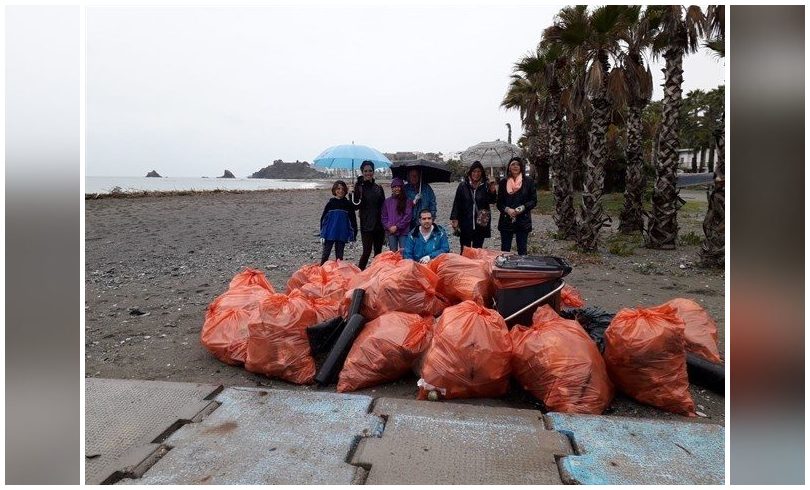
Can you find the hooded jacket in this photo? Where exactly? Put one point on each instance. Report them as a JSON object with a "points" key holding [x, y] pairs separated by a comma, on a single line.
{"points": [[417, 247], [338, 221], [467, 203], [390, 216]]}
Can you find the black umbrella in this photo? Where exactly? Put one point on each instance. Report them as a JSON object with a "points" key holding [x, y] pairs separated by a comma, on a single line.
{"points": [[431, 171]]}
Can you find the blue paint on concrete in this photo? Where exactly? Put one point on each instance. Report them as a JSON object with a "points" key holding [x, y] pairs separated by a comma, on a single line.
{"points": [[629, 451]]}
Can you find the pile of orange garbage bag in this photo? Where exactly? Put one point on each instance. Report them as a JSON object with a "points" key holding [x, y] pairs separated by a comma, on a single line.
{"points": [[385, 350], [469, 355], [700, 331], [570, 297], [462, 279], [225, 332], [278, 345], [646, 358], [560, 365], [405, 286]]}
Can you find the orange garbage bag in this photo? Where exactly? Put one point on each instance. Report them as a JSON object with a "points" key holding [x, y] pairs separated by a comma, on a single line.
{"points": [[407, 286], [340, 269], [324, 308], [482, 254], [330, 281], [251, 277], [304, 275], [645, 357], [462, 279], [385, 350], [570, 297], [560, 365], [382, 262], [700, 332], [225, 330], [469, 355], [277, 344]]}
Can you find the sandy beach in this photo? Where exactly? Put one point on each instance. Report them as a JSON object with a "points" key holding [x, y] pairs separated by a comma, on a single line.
{"points": [[153, 264]]}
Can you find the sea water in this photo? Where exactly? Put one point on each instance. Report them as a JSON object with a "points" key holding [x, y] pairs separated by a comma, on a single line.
{"points": [[100, 185]]}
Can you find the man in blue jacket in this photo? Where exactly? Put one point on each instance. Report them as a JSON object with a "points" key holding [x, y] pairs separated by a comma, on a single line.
{"points": [[427, 241]]}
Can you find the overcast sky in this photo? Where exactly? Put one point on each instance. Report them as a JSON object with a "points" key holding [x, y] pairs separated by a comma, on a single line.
{"points": [[190, 91]]}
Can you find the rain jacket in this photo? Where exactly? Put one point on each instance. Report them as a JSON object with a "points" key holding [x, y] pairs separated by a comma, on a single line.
{"points": [[526, 196], [371, 196], [390, 217], [428, 201], [467, 203], [417, 247], [338, 221]]}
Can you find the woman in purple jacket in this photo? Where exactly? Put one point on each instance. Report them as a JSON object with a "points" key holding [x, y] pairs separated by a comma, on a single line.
{"points": [[396, 216]]}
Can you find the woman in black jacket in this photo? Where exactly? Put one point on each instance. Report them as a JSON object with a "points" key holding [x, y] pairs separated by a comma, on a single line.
{"points": [[471, 216], [369, 197], [517, 196]]}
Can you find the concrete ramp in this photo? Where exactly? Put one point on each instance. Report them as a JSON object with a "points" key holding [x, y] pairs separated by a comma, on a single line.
{"points": [[630, 451], [126, 420], [432, 443], [152, 432], [268, 437]]}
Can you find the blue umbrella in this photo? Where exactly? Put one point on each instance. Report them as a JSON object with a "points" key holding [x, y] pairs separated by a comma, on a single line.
{"points": [[350, 156]]}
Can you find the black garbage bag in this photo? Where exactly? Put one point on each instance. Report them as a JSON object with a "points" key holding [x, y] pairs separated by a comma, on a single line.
{"points": [[594, 320]]}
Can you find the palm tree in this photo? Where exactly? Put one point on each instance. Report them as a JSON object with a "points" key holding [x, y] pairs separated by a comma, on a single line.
{"points": [[679, 30], [547, 68], [713, 248], [594, 39], [638, 37], [527, 94]]}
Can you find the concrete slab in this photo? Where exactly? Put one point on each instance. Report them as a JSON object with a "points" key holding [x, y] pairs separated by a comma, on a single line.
{"points": [[452, 443], [629, 451], [125, 420], [268, 437]]}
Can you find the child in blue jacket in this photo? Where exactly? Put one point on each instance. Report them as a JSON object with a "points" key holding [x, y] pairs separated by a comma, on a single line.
{"points": [[338, 222]]}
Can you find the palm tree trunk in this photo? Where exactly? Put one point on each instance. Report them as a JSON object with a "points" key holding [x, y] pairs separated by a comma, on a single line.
{"points": [[631, 219], [564, 216], [541, 156], [713, 249], [567, 222], [532, 146], [702, 167], [592, 216], [662, 229]]}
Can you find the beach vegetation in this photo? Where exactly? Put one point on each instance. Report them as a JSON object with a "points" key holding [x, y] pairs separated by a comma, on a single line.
{"points": [[584, 94], [713, 248]]}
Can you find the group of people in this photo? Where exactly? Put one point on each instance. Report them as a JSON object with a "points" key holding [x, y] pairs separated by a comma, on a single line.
{"points": [[407, 218]]}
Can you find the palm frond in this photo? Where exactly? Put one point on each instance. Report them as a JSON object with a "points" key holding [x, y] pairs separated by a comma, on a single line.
{"points": [[718, 46], [595, 79], [716, 21], [617, 88]]}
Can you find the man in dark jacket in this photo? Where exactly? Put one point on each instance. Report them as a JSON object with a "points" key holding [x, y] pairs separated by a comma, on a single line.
{"points": [[471, 214], [369, 197]]}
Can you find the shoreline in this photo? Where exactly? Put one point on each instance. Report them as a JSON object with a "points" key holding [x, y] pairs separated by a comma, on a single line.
{"points": [[321, 184], [191, 192]]}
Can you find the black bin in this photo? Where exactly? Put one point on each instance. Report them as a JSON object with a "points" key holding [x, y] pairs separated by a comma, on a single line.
{"points": [[523, 280]]}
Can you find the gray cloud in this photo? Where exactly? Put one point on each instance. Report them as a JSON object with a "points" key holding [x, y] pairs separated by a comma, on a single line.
{"points": [[192, 90]]}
